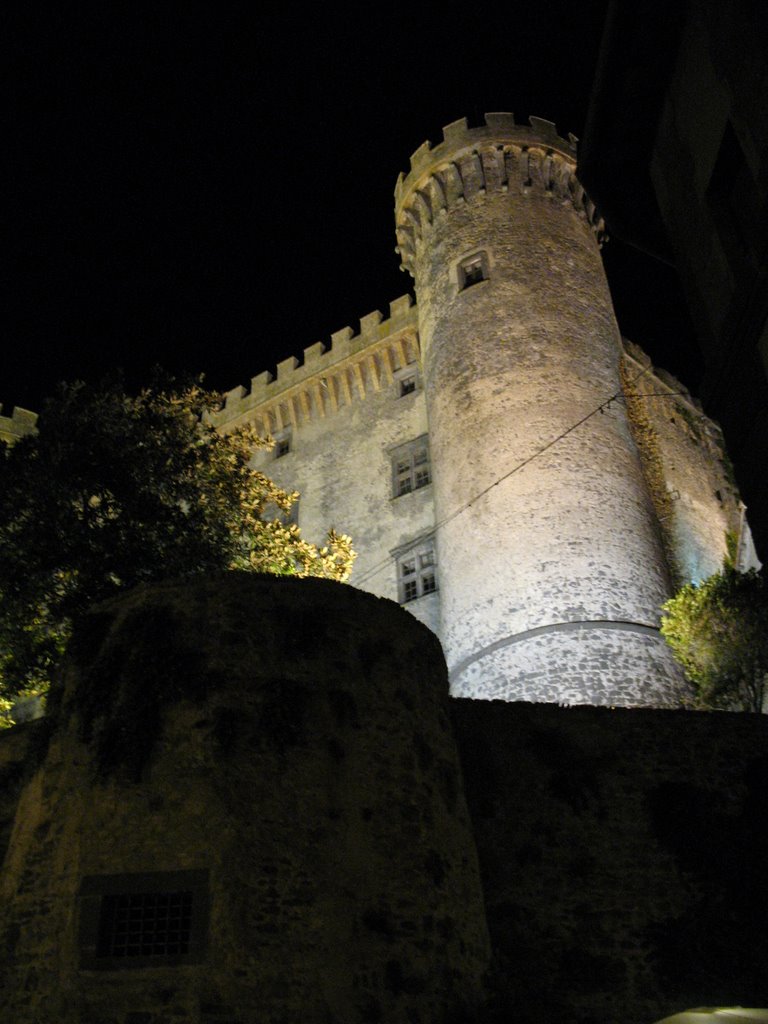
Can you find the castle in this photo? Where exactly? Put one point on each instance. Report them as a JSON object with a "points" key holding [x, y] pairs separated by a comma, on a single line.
{"points": [[278, 815], [524, 482], [511, 470]]}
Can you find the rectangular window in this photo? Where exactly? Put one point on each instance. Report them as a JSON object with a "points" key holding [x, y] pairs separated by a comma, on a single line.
{"points": [[407, 380], [410, 467], [282, 445], [416, 572], [289, 518], [145, 924], [143, 920], [407, 385], [472, 270]]}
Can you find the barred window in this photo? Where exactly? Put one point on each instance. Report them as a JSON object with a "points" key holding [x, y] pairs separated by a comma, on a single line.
{"points": [[417, 572], [410, 467], [143, 920], [145, 924]]}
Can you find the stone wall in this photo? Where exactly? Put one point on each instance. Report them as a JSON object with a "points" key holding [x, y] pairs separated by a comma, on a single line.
{"points": [[18, 748], [286, 749], [623, 857], [281, 749], [701, 504], [342, 436]]}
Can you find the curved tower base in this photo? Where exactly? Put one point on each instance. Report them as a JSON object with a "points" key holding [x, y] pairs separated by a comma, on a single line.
{"points": [[618, 664]]}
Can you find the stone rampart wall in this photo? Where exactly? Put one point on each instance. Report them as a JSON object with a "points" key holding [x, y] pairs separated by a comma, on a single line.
{"points": [[306, 762], [283, 749], [703, 503], [353, 366], [623, 857]]}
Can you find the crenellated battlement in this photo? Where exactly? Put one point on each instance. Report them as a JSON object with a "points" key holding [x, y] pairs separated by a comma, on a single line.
{"points": [[328, 377], [19, 423], [498, 126], [499, 156]]}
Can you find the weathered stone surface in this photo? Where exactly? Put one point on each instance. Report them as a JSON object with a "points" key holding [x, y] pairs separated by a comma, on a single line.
{"points": [[623, 857], [542, 508], [305, 761], [545, 515]]}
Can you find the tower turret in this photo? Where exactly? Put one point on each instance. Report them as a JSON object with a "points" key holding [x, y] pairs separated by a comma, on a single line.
{"points": [[552, 570]]}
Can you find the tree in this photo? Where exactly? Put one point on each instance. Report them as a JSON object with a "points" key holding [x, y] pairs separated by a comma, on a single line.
{"points": [[718, 632], [115, 490]]}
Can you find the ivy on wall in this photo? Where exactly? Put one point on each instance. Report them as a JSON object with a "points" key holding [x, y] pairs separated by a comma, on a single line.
{"points": [[647, 441]]}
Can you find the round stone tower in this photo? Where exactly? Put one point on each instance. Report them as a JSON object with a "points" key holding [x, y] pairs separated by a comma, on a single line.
{"points": [[251, 809], [551, 565]]}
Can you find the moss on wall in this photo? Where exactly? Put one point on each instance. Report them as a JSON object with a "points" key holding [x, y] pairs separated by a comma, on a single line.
{"points": [[647, 441]]}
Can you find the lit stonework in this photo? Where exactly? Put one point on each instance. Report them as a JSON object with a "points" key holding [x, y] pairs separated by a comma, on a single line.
{"points": [[552, 577], [526, 484], [19, 423], [535, 502]]}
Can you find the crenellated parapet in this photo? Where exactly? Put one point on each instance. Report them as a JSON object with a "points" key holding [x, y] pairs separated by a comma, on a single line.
{"points": [[18, 424], [499, 156], [354, 365]]}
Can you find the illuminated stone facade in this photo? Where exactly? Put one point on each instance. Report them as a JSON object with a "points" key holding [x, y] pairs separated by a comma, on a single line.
{"points": [[478, 447], [508, 467]]}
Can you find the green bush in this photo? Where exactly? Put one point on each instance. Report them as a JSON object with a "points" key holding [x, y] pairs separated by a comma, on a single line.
{"points": [[718, 632], [114, 490]]}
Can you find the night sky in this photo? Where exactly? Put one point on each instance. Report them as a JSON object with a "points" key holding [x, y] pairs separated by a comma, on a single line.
{"points": [[213, 192]]}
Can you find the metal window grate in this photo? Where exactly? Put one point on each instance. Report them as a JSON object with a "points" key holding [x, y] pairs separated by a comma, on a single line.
{"points": [[145, 924]]}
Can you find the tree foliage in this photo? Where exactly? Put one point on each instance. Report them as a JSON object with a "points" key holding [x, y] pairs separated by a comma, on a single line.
{"points": [[718, 632], [115, 490]]}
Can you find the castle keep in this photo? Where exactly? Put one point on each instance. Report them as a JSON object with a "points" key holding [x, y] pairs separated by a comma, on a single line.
{"points": [[522, 481]]}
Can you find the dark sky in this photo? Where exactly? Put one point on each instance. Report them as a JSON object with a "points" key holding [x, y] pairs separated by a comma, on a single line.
{"points": [[213, 192]]}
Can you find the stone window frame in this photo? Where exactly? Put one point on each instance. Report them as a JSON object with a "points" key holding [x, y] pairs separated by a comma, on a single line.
{"points": [[411, 466], [290, 518], [283, 444], [472, 269], [407, 380], [96, 893], [416, 571]]}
